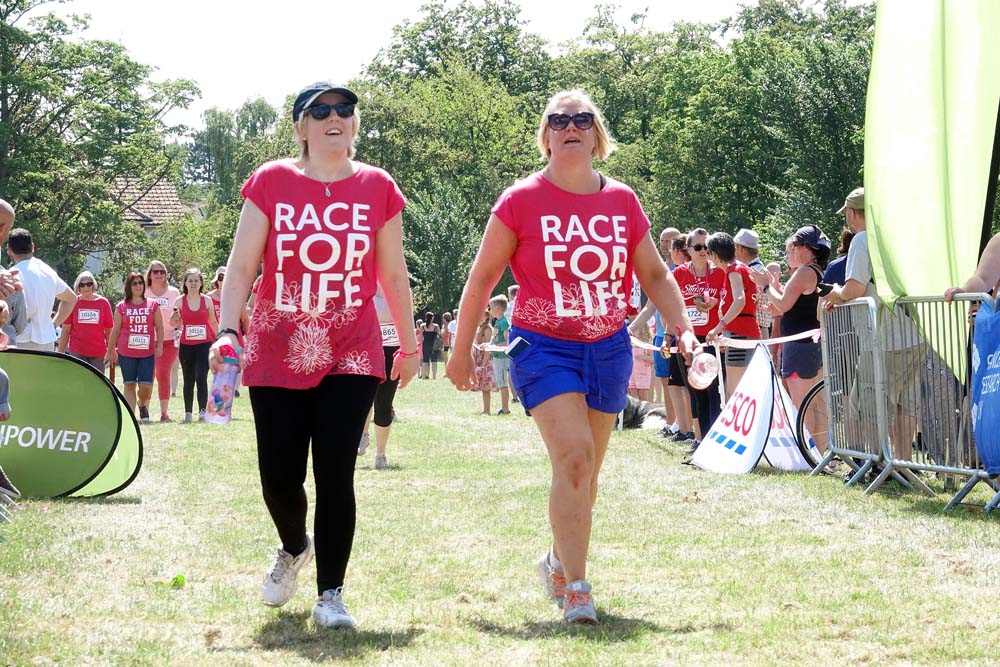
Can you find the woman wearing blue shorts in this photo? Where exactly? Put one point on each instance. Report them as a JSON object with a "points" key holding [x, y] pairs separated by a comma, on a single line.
{"points": [[572, 238]]}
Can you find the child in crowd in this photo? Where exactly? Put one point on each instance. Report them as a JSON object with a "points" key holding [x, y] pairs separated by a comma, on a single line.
{"points": [[484, 365], [501, 364], [642, 367]]}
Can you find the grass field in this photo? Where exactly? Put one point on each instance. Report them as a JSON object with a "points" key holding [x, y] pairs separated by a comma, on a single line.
{"points": [[688, 568]]}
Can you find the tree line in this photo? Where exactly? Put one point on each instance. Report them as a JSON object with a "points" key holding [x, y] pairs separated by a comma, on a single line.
{"points": [[753, 121]]}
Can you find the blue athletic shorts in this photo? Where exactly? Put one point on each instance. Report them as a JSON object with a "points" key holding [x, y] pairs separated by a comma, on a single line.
{"points": [[551, 366], [136, 369], [661, 364]]}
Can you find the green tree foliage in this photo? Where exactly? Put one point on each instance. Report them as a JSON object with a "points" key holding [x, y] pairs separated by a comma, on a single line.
{"points": [[74, 116]]}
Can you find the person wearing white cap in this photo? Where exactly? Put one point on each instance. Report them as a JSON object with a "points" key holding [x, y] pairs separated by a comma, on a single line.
{"points": [[747, 248]]}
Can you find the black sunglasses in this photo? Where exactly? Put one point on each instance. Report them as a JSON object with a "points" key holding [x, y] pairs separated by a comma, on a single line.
{"points": [[698, 247], [138, 282], [158, 271], [560, 121], [87, 284], [321, 111]]}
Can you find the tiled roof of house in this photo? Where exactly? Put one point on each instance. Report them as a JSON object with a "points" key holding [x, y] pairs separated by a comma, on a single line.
{"points": [[151, 208]]}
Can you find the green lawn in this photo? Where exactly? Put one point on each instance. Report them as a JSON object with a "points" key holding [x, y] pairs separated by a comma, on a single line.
{"points": [[688, 568]]}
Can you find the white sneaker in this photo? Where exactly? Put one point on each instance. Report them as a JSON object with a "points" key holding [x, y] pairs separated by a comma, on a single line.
{"points": [[579, 604], [553, 580], [282, 579], [363, 445], [381, 462], [330, 611]]}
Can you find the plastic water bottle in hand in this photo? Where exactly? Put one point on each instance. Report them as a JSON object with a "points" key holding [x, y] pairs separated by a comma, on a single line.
{"points": [[704, 369], [220, 396]]}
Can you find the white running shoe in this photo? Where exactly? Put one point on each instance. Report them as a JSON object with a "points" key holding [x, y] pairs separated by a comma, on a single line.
{"points": [[282, 579], [363, 445], [579, 604], [381, 462], [330, 611], [553, 580]]}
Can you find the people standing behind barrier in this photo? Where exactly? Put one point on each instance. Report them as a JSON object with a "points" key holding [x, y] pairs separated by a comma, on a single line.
{"points": [[135, 342], [796, 303], [836, 271], [500, 360], [194, 315], [642, 365], [904, 352], [86, 332], [159, 289], [314, 356], [737, 308], [430, 332], [484, 362], [747, 247], [572, 369], [986, 276], [42, 287], [446, 336], [701, 285], [382, 410]]}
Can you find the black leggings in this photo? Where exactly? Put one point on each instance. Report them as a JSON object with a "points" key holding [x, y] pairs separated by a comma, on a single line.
{"points": [[386, 392], [706, 405], [194, 364], [331, 417]]}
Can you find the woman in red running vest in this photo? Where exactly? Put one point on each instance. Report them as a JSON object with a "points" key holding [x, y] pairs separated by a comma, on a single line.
{"points": [[136, 340], [194, 316]]}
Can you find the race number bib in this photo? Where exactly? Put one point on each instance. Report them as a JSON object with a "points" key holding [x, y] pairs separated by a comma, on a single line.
{"points": [[88, 316], [138, 342], [697, 317], [162, 300], [196, 332], [390, 337]]}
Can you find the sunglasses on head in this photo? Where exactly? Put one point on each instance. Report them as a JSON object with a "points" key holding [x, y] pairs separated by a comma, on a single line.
{"points": [[560, 121], [698, 247], [321, 111], [86, 284], [158, 271]]}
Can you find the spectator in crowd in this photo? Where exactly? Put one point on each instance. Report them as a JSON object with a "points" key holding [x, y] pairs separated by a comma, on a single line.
{"points": [[500, 361], [642, 365], [446, 336], [194, 315], [737, 309], [159, 289], [484, 362], [796, 303], [9, 284], [701, 286], [135, 341], [42, 288], [836, 271], [747, 248], [6, 486], [430, 334], [667, 237], [86, 332], [987, 272], [574, 374], [314, 354], [904, 351]]}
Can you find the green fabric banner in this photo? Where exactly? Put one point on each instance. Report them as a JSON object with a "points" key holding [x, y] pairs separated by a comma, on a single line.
{"points": [[70, 431], [931, 114]]}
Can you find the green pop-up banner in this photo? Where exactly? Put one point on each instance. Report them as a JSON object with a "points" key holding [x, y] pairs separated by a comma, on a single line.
{"points": [[70, 432]]}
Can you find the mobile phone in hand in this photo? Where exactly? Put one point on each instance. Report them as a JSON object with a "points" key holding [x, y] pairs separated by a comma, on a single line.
{"points": [[516, 347]]}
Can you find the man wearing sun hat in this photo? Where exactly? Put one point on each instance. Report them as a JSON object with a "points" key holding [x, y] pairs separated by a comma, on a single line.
{"points": [[747, 247]]}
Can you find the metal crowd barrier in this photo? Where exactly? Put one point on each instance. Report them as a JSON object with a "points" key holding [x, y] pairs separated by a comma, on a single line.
{"points": [[853, 381], [897, 390]]}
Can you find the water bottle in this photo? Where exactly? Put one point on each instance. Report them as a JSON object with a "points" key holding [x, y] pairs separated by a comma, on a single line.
{"points": [[220, 396], [704, 369]]}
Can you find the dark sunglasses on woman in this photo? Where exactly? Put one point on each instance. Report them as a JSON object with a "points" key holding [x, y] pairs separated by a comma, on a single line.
{"points": [[86, 284], [321, 111], [698, 247], [560, 121]]}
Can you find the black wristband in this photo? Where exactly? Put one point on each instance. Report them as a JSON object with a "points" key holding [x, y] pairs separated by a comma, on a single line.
{"points": [[225, 331]]}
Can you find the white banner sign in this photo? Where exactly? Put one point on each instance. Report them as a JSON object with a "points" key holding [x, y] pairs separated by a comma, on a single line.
{"points": [[782, 451], [737, 438]]}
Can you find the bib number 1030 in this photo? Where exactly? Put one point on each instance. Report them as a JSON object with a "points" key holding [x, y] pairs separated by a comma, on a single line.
{"points": [[741, 414]]}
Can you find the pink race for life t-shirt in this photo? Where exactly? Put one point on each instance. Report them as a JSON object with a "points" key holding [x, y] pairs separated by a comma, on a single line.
{"points": [[573, 260], [314, 315], [137, 336], [88, 324]]}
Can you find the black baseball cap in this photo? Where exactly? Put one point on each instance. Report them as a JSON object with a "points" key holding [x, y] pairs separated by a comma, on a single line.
{"points": [[308, 95]]}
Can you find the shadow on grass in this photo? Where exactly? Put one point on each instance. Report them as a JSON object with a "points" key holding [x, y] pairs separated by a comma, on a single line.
{"points": [[104, 500], [295, 631], [612, 628]]}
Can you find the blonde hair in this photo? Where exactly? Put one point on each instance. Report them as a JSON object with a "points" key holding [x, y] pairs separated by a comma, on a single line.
{"points": [[604, 145], [304, 146]]}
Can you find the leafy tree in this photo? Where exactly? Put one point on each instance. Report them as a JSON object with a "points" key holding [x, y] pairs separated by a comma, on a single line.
{"points": [[74, 116]]}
